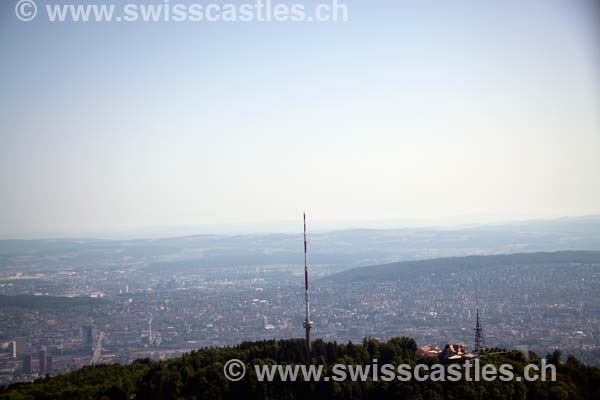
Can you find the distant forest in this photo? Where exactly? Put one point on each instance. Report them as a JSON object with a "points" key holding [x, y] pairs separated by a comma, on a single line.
{"points": [[48, 302], [199, 375], [441, 266]]}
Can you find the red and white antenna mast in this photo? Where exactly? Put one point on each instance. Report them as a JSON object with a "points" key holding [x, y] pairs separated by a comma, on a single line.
{"points": [[307, 322]]}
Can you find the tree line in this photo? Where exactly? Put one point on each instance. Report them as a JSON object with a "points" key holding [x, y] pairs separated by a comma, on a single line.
{"points": [[199, 375]]}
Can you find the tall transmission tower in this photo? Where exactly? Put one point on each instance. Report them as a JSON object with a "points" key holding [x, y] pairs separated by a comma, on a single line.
{"points": [[307, 322], [479, 339]]}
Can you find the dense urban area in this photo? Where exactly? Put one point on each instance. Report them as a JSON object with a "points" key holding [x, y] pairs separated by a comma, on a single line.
{"points": [[69, 305]]}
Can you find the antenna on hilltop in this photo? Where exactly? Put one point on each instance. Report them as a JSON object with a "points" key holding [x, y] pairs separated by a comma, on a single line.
{"points": [[479, 339], [307, 322]]}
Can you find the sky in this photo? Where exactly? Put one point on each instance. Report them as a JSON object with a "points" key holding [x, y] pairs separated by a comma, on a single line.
{"points": [[411, 110]]}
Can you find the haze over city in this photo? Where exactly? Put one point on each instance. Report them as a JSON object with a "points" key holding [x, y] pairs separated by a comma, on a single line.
{"points": [[429, 111]]}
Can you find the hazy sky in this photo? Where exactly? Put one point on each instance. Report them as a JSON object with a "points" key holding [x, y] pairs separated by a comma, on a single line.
{"points": [[413, 109]]}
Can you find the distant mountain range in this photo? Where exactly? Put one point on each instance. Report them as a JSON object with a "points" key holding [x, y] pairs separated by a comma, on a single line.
{"points": [[344, 249]]}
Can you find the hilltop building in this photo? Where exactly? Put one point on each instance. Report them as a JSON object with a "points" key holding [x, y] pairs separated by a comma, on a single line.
{"points": [[456, 352], [430, 351]]}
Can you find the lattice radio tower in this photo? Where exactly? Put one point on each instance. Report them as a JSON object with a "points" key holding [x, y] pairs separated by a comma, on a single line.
{"points": [[479, 338]]}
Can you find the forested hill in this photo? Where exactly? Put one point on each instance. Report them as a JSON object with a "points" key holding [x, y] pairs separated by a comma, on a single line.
{"points": [[199, 375], [48, 302], [439, 266]]}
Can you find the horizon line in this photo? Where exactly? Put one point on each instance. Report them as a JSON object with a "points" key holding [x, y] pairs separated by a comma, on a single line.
{"points": [[241, 228]]}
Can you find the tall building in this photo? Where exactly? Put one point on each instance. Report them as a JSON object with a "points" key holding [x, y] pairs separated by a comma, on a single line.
{"points": [[13, 349], [88, 336], [42, 365], [27, 364], [49, 367], [22, 347]]}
